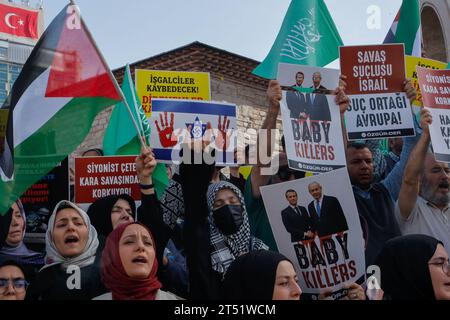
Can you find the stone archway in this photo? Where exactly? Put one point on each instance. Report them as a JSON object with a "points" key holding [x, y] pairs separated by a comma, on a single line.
{"points": [[433, 35]]}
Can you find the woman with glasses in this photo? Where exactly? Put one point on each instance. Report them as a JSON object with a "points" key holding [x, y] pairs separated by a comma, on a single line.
{"points": [[13, 285], [414, 267]]}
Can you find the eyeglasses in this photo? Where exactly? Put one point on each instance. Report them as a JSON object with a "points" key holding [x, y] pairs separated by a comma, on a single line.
{"points": [[444, 264], [18, 284]]}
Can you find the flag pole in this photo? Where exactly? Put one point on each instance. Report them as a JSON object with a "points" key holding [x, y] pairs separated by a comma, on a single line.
{"points": [[113, 79], [132, 87]]}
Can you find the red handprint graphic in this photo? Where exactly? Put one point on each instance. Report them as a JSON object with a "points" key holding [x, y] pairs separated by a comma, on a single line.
{"points": [[165, 134], [224, 134]]}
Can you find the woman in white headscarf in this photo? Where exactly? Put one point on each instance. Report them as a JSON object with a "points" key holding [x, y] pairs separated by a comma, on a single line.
{"points": [[12, 248], [71, 269]]}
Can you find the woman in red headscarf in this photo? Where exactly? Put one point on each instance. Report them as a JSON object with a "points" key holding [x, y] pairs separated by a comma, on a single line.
{"points": [[129, 265]]}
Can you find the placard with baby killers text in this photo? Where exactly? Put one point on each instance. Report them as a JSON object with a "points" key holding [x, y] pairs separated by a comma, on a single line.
{"points": [[435, 87], [316, 225], [375, 79]]}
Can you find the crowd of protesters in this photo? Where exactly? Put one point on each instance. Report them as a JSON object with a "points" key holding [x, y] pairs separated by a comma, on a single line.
{"points": [[214, 241]]}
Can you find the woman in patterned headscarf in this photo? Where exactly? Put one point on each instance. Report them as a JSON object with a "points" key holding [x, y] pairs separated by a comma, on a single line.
{"points": [[12, 232], [216, 224]]}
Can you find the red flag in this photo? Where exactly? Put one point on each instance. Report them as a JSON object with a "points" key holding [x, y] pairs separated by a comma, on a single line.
{"points": [[19, 22]]}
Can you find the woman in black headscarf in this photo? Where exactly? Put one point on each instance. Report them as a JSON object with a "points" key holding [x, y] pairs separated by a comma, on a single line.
{"points": [[261, 275], [414, 267], [104, 210]]}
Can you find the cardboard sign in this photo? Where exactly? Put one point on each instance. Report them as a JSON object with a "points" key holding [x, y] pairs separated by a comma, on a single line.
{"points": [[152, 84], [435, 87], [323, 239], [411, 64], [307, 79], [171, 119], [97, 177], [378, 106], [314, 145], [41, 198], [311, 121]]}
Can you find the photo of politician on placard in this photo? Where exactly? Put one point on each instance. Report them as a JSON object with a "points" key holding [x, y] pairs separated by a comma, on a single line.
{"points": [[307, 86], [296, 219], [318, 230]]}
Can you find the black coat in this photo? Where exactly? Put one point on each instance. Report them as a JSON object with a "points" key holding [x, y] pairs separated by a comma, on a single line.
{"points": [[297, 103], [297, 224], [332, 218], [319, 109]]}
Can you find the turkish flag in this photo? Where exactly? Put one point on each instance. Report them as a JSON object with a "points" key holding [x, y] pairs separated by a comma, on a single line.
{"points": [[19, 22]]}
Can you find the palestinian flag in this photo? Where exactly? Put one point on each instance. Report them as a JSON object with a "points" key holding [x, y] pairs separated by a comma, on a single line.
{"points": [[406, 28], [63, 85]]}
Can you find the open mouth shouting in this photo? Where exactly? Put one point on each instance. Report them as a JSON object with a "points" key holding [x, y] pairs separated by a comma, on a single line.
{"points": [[71, 240], [140, 260]]}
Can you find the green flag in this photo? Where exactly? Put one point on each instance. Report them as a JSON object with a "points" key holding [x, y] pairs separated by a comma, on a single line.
{"points": [[448, 66], [406, 28], [307, 36], [121, 137]]}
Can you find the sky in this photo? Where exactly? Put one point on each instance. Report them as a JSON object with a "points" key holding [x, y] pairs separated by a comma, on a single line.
{"points": [[132, 30]]}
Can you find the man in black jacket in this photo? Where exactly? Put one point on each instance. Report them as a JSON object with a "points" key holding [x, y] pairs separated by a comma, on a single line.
{"points": [[319, 109], [296, 219], [327, 211]]}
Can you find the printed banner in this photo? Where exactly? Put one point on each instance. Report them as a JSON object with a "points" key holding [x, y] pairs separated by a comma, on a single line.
{"points": [[316, 225], [311, 121], [411, 64], [170, 118], [97, 177], [435, 87], [41, 198], [152, 84], [378, 106]]}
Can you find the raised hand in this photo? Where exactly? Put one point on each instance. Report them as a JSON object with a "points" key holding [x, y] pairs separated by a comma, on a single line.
{"points": [[341, 98], [166, 136], [145, 164]]}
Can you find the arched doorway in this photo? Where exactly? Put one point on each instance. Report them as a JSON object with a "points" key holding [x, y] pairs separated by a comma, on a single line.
{"points": [[433, 36]]}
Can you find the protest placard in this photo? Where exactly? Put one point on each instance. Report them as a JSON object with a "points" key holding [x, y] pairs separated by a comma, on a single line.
{"points": [[171, 119], [435, 87], [97, 177], [40, 199], [316, 225], [306, 78], [152, 84], [411, 64], [378, 106], [311, 121]]}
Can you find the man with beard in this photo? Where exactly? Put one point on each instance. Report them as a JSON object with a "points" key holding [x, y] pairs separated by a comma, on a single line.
{"points": [[423, 203]]}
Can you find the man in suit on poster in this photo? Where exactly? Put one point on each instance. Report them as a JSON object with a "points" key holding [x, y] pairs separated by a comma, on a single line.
{"points": [[297, 102], [326, 211], [319, 109], [296, 219]]}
